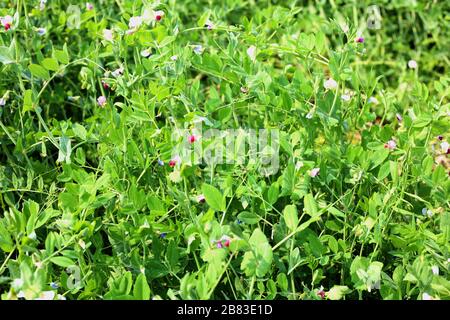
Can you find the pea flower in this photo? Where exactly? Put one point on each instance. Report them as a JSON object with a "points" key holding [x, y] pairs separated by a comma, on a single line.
{"points": [[163, 235], [201, 198], [17, 283], [321, 292], [192, 138], [41, 31], [174, 161], [330, 84], [391, 145], [440, 137], [42, 4], [360, 40], [6, 22], [426, 296], [105, 85], [298, 165], [399, 117], [310, 114], [373, 100], [251, 52], [427, 212], [160, 162], [345, 97], [135, 22], [54, 285], [174, 58], [412, 64], [244, 90], [198, 49], [444, 146], [101, 101], [314, 172], [435, 270], [219, 245], [89, 6], [146, 53], [158, 15], [345, 28], [46, 295], [108, 35], [209, 25], [2, 102], [118, 72]]}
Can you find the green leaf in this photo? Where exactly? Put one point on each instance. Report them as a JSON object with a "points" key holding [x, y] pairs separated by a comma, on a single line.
{"points": [[27, 101], [62, 261], [141, 289], [337, 292], [291, 217], [39, 71], [6, 56], [202, 21], [50, 64], [65, 150], [249, 217], [62, 56], [273, 193], [310, 205], [214, 198], [336, 212], [79, 131], [258, 260], [6, 244]]}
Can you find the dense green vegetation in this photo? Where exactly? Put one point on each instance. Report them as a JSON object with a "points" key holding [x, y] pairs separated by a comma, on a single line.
{"points": [[95, 203]]}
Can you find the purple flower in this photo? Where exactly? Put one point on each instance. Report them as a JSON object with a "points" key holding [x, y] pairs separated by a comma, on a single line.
{"points": [[160, 162], [54, 285], [399, 117], [101, 101], [219, 245], [201, 198], [314, 172], [163, 235], [360, 40], [391, 145]]}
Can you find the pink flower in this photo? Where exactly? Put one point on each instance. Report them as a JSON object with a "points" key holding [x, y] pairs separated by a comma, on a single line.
{"points": [[192, 138], [172, 163], [89, 6], [159, 15], [6, 22], [101, 101], [391, 145], [321, 293], [201, 198], [219, 245], [209, 25], [227, 243], [244, 90], [314, 172], [105, 85], [108, 35], [360, 39], [330, 84], [412, 64]]}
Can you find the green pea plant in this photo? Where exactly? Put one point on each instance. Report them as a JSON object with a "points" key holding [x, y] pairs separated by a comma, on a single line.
{"points": [[232, 149]]}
